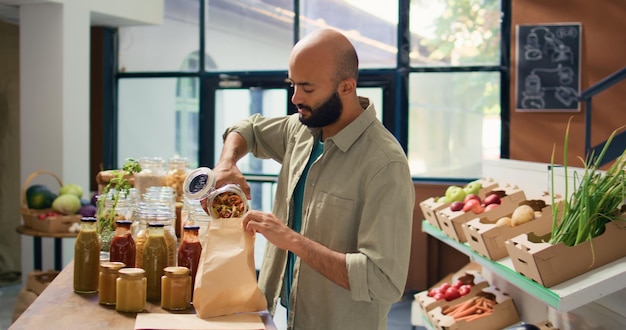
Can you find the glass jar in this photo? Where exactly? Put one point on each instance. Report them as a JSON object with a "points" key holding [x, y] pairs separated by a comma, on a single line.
{"points": [[123, 245], [107, 282], [189, 252], [154, 260], [177, 170], [86, 257], [176, 288], [228, 201], [152, 174], [112, 207], [200, 218], [131, 288]]}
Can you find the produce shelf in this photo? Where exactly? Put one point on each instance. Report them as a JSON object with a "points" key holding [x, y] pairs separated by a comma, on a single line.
{"points": [[565, 296]]}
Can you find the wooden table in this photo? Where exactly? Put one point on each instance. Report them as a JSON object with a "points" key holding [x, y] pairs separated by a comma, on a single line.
{"points": [[58, 245], [58, 307]]}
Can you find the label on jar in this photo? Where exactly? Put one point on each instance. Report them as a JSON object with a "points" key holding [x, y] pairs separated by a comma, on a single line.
{"points": [[198, 183]]}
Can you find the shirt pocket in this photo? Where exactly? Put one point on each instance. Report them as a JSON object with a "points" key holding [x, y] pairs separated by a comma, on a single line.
{"points": [[331, 220]]}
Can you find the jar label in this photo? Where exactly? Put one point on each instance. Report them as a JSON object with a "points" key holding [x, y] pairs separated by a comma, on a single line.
{"points": [[198, 183]]}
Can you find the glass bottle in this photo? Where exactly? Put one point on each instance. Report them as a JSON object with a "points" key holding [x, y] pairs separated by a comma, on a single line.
{"points": [[152, 174], [189, 252], [86, 257], [131, 287], [200, 218], [154, 260], [123, 245], [177, 170], [107, 282], [176, 288]]}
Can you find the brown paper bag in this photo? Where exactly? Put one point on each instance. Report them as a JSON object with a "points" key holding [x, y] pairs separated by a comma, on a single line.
{"points": [[226, 279]]}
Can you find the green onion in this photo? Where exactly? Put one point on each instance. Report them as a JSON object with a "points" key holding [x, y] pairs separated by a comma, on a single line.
{"points": [[596, 198]]}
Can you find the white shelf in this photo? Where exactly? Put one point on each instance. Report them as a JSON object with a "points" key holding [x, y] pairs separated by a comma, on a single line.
{"points": [[565, 296]]}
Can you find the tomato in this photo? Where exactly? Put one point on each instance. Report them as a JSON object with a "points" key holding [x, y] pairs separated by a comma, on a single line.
{"points": [[438, 296], [432, 292], [445, 286], [465, 289], [457, 284], [452, 293]]}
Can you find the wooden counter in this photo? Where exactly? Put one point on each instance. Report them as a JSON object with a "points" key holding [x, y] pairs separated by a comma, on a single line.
{"points": [[58, 307]]}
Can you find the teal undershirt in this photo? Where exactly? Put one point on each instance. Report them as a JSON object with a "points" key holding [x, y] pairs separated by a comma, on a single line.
{"points": [[298, 196]]}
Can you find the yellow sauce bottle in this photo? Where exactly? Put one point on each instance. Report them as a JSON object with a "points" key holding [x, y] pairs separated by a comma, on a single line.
{"points": [[86, 257], [130, 290], [107, 282], [176, 288], [155, 259]]}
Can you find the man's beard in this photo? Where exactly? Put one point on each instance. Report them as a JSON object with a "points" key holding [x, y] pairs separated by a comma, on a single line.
{"points": [[325, 114]]}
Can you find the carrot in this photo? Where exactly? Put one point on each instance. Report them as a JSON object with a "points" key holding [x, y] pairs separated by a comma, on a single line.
{"points": [[472, 317], [463, 306], [450, 309], [466, 312]]}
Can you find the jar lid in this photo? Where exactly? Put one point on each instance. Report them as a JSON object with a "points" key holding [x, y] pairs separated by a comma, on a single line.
{"points": [[88, 219], [191, 227], [176, 270], [132, 272], [112, 265], [156, 224], [199, 183]]}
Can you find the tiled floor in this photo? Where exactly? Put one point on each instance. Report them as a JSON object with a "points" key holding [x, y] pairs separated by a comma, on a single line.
{"points": [[399, 317]]}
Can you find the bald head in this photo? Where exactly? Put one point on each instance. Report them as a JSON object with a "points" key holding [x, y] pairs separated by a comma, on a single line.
{"points": [[330, 46]]}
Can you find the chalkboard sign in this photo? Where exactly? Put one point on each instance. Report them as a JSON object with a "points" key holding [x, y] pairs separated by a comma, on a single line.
{"points": [[548, 67]]}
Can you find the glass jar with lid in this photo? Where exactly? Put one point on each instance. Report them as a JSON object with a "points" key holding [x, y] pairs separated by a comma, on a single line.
{"points": [[228, 201], [154, 260], [131, 288], [152, 174], [177, 170], [107, 282], [176, 288]]}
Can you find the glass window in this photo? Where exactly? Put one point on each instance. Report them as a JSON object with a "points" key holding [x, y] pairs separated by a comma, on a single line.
{"points": [[248, 35], [158, 117], [370, 25], [162, 47], [454, 123], [455, 32], [233, 105]]}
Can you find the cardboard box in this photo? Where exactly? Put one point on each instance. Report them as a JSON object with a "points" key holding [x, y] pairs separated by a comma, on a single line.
{"points": [[549, 264], [430, 206], [504, 314], [487, 239], [427, 303], [37, 280], [58, 224], [451, 222]]}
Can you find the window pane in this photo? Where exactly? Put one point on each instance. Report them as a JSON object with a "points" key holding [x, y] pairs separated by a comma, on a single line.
{"points": [[163, 47], [158, 117], [248, 35], [454, 123], [370, 25], [455, 32], [233, 105], [375, 94]]}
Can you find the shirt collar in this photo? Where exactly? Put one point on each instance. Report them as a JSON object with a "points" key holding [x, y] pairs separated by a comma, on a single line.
{"points": [[349, 134]]}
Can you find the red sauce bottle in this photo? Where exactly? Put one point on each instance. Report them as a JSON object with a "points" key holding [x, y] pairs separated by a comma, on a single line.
{"points": [[189, 251], [123, 245]]}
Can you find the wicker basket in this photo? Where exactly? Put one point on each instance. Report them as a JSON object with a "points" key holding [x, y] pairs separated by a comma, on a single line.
{"points": [[57, 224]]}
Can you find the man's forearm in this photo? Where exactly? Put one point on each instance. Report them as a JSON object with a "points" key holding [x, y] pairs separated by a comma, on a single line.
{"points": [[325, 261]]}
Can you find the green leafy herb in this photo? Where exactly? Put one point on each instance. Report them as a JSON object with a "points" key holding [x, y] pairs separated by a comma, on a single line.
{"points": [[117, 186], [596, 198]]}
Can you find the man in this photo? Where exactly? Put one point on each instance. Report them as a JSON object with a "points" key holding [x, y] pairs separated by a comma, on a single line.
{"points": [[340, 230]]}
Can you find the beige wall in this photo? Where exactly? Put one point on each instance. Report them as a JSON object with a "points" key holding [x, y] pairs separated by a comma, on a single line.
{"points": [[9, 148]]}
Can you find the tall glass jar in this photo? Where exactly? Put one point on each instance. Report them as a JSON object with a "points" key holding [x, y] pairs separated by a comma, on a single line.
{"points": [[112, 207], [107, 282], [176, 288], [152, 174], [154, 260], [228, 201], [189, 252], [177, 170], [86, 257], [123, 245], [131, 289]]}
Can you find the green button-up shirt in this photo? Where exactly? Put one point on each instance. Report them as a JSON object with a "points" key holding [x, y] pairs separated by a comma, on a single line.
{"points": [[358, 200]]}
